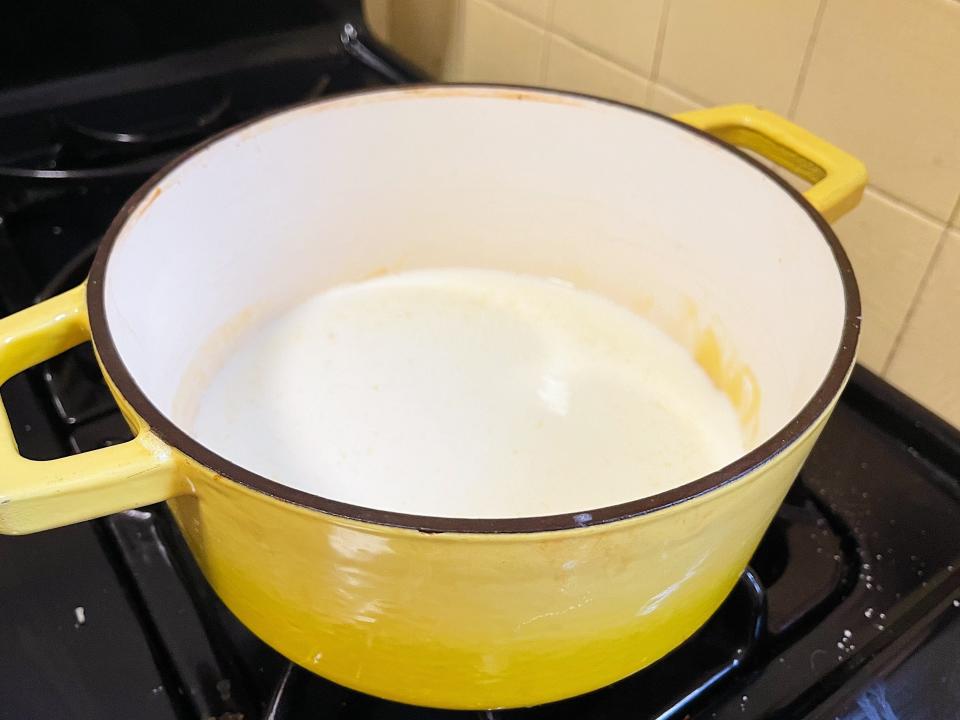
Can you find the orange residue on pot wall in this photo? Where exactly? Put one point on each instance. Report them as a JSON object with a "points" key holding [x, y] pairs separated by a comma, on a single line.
{"points": [[712, 350], [734, 378], [207, 361]]}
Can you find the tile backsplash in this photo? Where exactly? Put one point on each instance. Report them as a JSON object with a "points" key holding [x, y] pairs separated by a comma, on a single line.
{"points": [[879, 78]]}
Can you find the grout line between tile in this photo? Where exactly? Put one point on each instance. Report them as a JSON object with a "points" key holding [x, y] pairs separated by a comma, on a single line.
{"points": [[498, 4], [685, 95], [807, 57], [541, 29], [545, 57], [906, 205], [453, 62], [657, 52], [551, 6], [547, 42], [599, 56], [549, 29], [915, 301], [954, 220], [928, 271], [494, 5], [661, 38]]}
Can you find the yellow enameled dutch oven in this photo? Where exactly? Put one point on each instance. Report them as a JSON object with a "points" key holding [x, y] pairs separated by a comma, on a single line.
{"points": [[653, 212]]}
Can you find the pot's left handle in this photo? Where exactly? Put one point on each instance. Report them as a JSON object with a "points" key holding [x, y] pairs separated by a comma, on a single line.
{"points": [[41, 494]]}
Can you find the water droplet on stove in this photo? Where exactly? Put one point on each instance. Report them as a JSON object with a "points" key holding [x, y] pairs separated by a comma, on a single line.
{"points": [[956, 603], [879, 556], [56, 229], [847, 634], [837, 558], [880, 628], [869, 586], [223, 688], [883, 616], [866, 566], [868, 613], [840, 646]]}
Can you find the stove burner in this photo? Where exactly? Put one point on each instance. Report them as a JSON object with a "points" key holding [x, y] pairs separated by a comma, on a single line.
{"points": [[125, 139], [40, 180], [73, 378], [147, 119]]}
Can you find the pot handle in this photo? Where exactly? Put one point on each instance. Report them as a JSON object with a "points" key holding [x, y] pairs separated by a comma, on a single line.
{"points": [[838, 178], [41, 494]]}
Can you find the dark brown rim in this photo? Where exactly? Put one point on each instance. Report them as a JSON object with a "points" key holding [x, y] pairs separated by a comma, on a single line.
{"points": [[164, 428]]}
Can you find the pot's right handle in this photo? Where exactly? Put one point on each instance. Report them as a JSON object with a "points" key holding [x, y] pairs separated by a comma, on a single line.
{"points": [[838, 178], [41, 494]]}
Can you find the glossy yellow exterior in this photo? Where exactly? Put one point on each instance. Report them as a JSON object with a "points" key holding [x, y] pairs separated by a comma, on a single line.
{"points": [[477, 621], [838, 178], [455, 620]]}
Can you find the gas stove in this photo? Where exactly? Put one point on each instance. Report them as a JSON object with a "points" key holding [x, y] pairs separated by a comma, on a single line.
{"points": [[849, 609]]}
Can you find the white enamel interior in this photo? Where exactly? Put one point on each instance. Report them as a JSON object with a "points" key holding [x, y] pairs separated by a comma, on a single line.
{"points": [[620, 202]]}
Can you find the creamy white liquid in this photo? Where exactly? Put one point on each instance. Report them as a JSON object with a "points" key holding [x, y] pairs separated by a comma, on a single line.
{"points": [[467, 393]]}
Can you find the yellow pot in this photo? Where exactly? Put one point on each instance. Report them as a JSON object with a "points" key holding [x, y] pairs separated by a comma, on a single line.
{"points": [[461, 612]]}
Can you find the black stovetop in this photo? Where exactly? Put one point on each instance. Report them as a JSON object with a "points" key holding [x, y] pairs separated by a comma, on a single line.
{"points": [[850, 608]]}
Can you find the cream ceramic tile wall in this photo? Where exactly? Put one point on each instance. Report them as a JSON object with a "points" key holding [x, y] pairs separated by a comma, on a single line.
{"points": [[880, 78]]}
